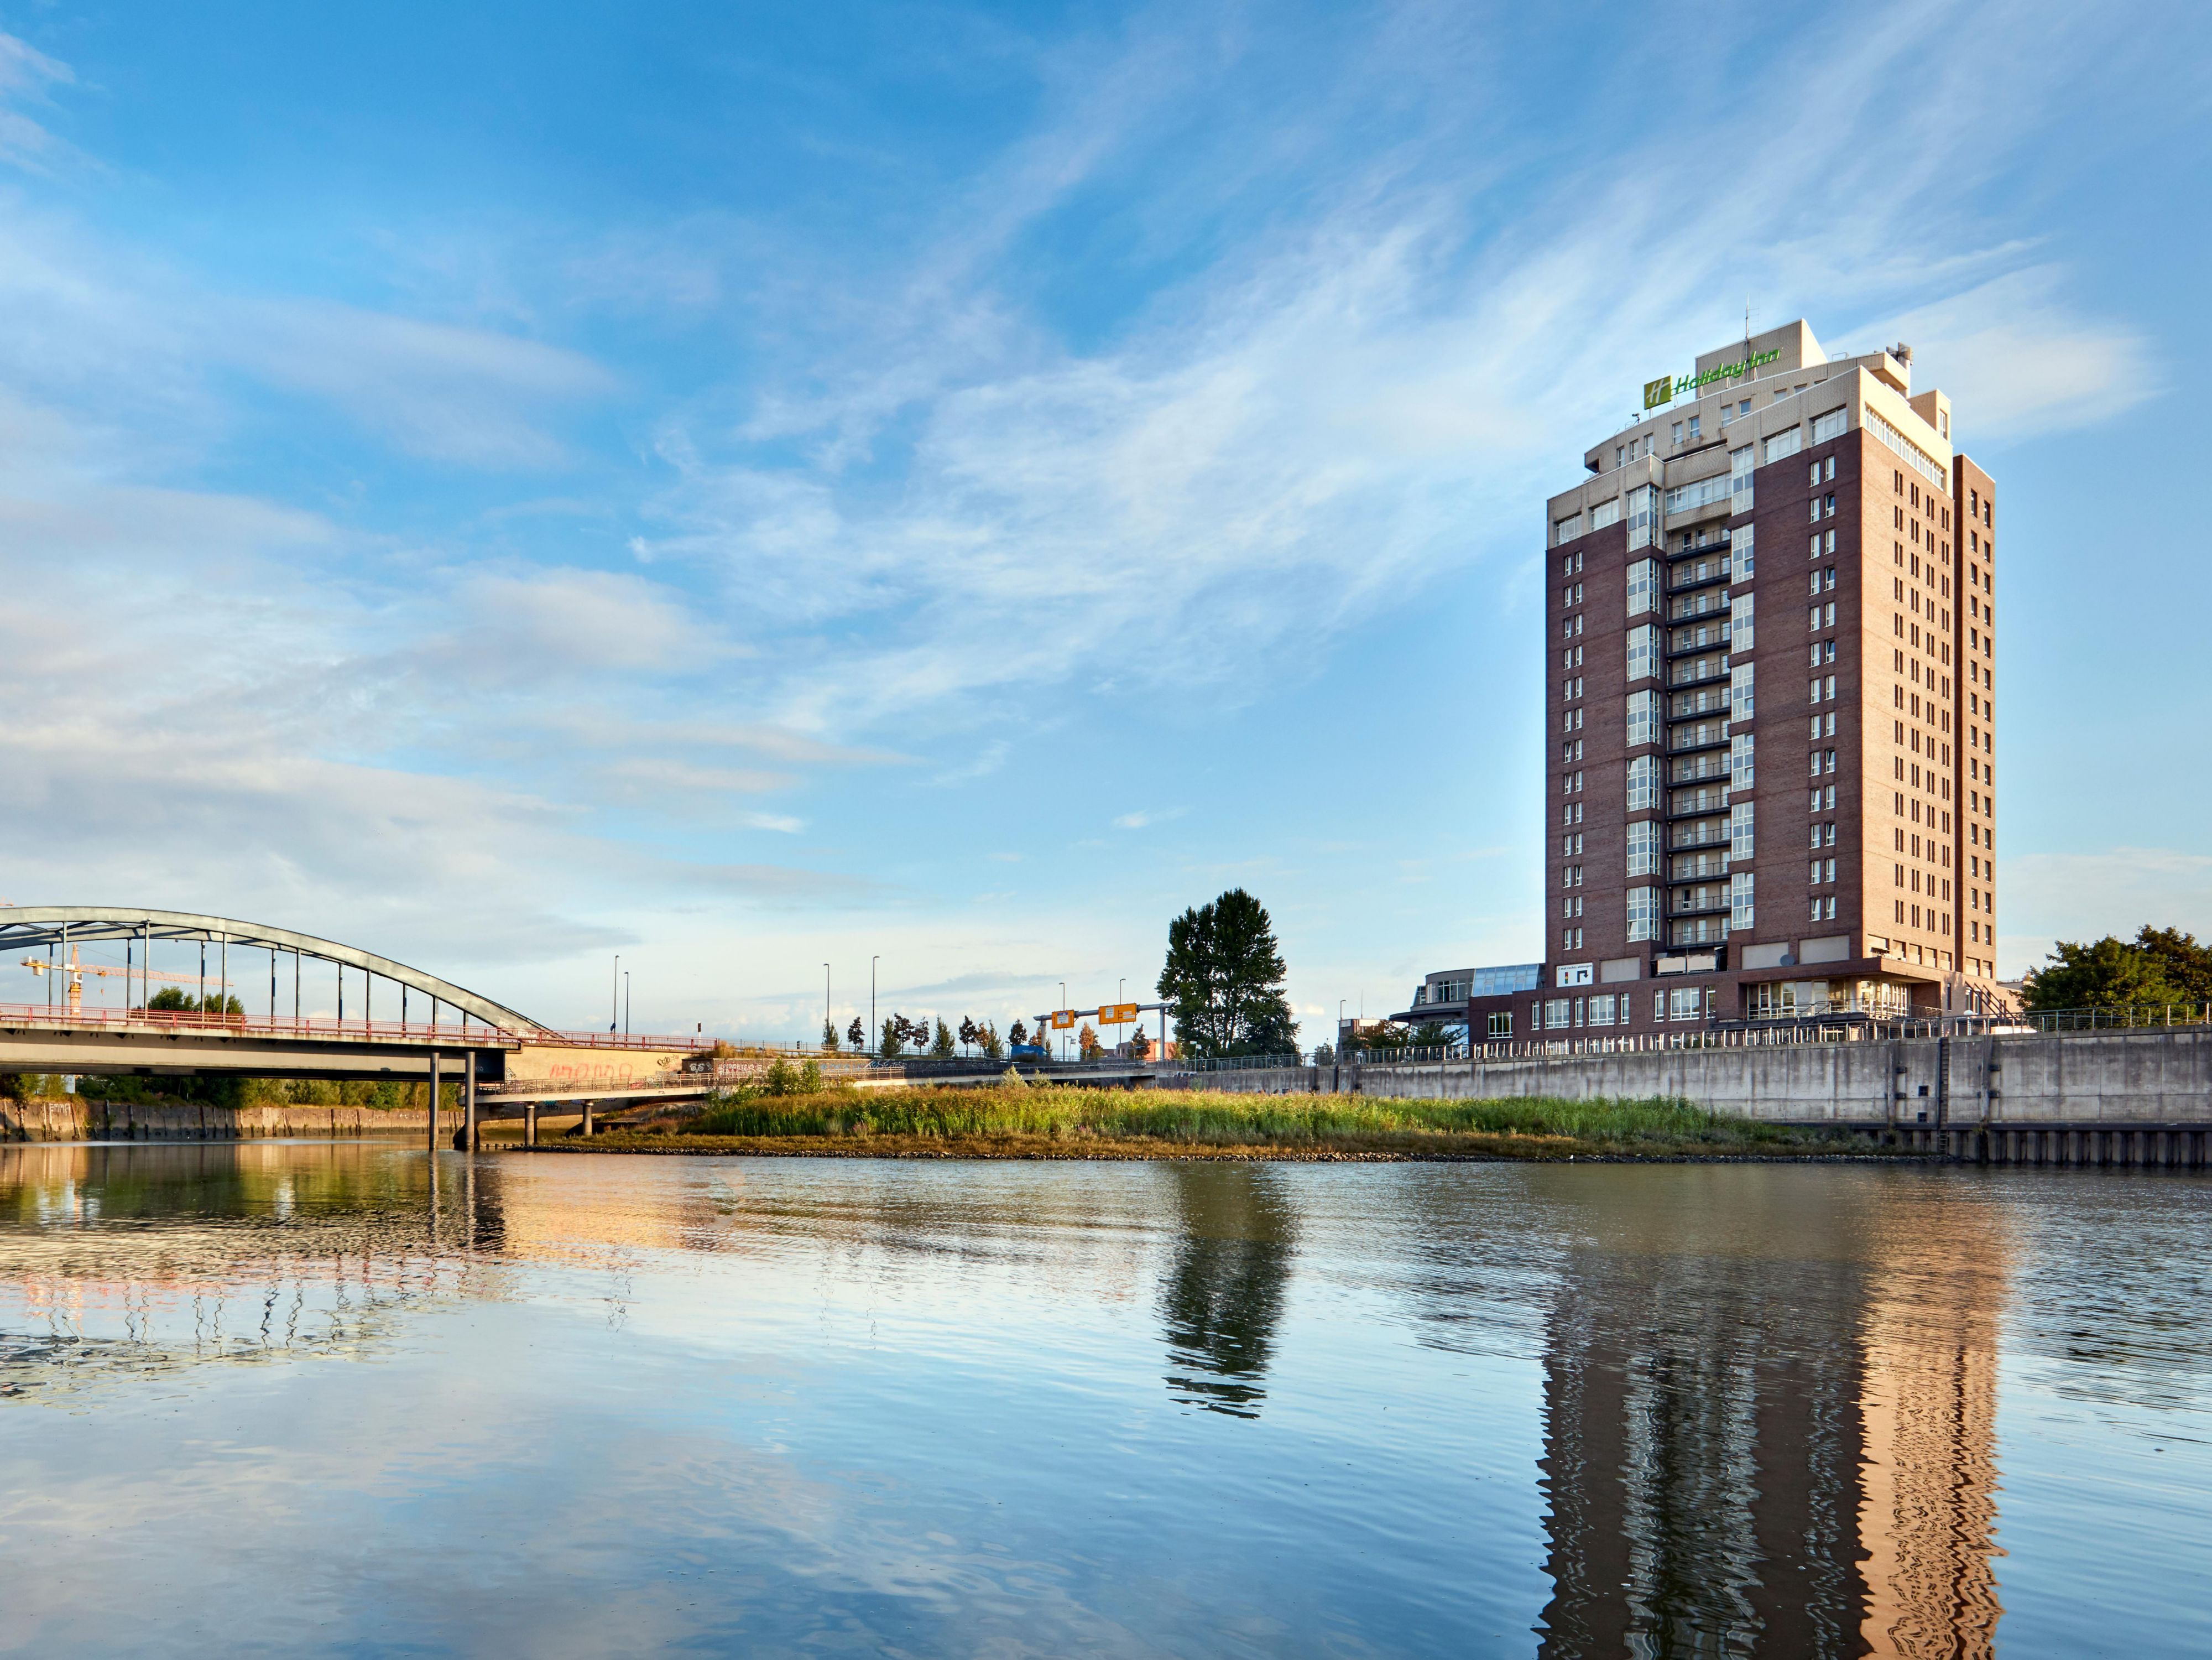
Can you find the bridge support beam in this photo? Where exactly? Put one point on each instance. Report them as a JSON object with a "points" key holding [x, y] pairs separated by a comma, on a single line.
{"points": [[433, 1101], [530, 1124], [586, 1128], [469, 1101]]}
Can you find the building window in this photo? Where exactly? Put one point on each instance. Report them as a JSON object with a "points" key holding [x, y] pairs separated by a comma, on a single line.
{"points": [[1678, 432], [1643, 913], [1604, 514], [1501, 1023], [1740, 760], [1739, 474], [1643, 783], [1566, 530], [1741, 912], [1782, 445], [1825, 427], [1685, 1003], [1641, 500], [1740, 692], [1740, 552], [1741, 821], [1643, 718], [1555, 1012], [1643, 586], [1643, 848], [1601, 1009], [1644, 651]]}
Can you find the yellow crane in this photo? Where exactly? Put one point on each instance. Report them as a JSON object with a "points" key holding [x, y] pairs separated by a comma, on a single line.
{"points": [[75, 970]]}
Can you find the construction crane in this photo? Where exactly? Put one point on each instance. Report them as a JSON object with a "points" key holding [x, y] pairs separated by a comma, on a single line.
{"points": [[75, 970]]}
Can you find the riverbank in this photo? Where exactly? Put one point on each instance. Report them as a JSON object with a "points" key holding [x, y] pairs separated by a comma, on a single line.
{"points": [[1030, 1122]]}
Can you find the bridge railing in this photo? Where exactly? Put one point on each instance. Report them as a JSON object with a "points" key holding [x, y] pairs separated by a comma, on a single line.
{"points": [[417, 1033]]}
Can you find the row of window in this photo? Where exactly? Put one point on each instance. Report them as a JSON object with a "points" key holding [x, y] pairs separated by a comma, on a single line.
{"points": [[1909, 916]]}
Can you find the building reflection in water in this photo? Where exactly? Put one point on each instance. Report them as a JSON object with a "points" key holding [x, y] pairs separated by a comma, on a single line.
{"points": [[1223, 1295], [1772, 1436]]}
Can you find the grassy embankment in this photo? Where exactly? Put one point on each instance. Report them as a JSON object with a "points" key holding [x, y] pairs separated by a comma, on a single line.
{"points": [[1024, 1122]]}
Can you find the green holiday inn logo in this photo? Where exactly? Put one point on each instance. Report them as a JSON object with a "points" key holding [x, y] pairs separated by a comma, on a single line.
{"points": [[1668, 387]]}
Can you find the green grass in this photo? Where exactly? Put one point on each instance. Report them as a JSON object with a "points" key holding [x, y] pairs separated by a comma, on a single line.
{"points": [[1070, 1119]]}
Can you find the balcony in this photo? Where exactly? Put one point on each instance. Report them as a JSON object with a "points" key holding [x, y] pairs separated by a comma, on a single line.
{"points": [[1702, 574], [1711, 599], [1698, 866], [1699, 770], [1698, 703], [1706, 833], [1693, 803], [1699, 671], [1705, 931], [1706, 636], [1705, 735]]}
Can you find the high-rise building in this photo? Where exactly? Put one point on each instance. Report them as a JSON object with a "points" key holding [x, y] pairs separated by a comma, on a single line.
{"points": [[1770, 696]]}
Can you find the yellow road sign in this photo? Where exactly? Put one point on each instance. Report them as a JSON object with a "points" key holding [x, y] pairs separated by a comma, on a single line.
{"points": [[1116, 1014], [1062, 1019]]}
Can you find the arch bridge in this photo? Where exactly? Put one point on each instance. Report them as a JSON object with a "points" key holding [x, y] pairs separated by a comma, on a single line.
{"points": [[430, 1026]]}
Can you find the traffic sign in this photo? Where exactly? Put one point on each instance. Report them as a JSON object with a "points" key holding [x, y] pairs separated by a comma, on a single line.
{"points": [[1116, 1014]]}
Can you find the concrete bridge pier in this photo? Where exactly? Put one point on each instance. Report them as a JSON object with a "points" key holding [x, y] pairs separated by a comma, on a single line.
{"points": [[468, 1137], [585, 1127], [530, 1124], [433, 1118]]}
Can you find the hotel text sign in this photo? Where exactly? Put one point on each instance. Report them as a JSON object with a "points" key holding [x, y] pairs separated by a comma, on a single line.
{"points": [[1667, 388]]}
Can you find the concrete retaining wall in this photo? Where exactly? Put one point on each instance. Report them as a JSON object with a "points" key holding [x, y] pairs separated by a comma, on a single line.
{"points": [[2121, 1078], [81, 1119]]}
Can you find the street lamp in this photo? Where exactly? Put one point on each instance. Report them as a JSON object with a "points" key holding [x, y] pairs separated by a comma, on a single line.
{"points": [[1063, 1004]]}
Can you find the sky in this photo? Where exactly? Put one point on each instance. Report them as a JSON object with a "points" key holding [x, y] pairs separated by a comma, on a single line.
{"points": [[937, 490]]}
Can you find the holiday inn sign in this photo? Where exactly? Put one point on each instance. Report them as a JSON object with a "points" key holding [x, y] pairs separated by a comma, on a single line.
{"points": [[1668, 387]]}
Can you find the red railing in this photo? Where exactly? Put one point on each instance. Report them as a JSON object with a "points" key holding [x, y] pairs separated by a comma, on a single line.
{"points": [[414, 1032]]}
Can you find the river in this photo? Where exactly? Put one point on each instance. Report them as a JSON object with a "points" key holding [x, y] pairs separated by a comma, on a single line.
{"points": [[323, 1399]]}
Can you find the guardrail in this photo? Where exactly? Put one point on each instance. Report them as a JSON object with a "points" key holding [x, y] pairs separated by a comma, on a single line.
{"points": [[415, 1033], [2131, 1017]]}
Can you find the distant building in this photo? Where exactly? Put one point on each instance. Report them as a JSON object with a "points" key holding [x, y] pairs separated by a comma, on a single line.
{"points": [[1717, 849]]}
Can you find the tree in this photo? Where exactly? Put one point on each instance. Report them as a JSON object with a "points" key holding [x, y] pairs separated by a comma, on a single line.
{"points": [[893, 1043], [2186, 965], [994, 1046], [968, 1032], [1140, 1046], [829, 1036], [1224, 979], [1019, 1033], [1431, 1034], [1324, 1055], [1086, 1042], [856, 1034], [175, 997], [2160, 966], [941, 1045]]}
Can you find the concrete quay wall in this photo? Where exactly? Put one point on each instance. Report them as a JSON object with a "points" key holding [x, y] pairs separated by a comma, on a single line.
{"points": [[2124, 1079], [80, 1119]]}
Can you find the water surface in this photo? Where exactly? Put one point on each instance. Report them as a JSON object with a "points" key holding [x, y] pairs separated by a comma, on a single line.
{"points": [[343, 1399]]}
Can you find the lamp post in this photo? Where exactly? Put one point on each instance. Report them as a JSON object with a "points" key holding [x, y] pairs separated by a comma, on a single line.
{"points": [[1063, 1004], [872, 961]]}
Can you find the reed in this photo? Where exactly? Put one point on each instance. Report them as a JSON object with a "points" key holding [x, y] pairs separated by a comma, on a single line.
{"points": [[1030, 1121]]}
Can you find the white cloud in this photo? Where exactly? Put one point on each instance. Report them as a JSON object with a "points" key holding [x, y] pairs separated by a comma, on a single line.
{"points": [[25, 74], [452, 393], [2016, 361], [2046, 898]]}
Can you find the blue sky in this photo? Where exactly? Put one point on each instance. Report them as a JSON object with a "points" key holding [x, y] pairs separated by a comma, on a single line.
{"points": [[748, 486]]}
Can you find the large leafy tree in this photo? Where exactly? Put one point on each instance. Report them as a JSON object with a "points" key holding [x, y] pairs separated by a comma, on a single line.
{"points": [[2157, 967], [1224, 979]]}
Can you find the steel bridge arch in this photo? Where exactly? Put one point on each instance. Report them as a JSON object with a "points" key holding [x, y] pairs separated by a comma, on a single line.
{"points": [[53, 925]]}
